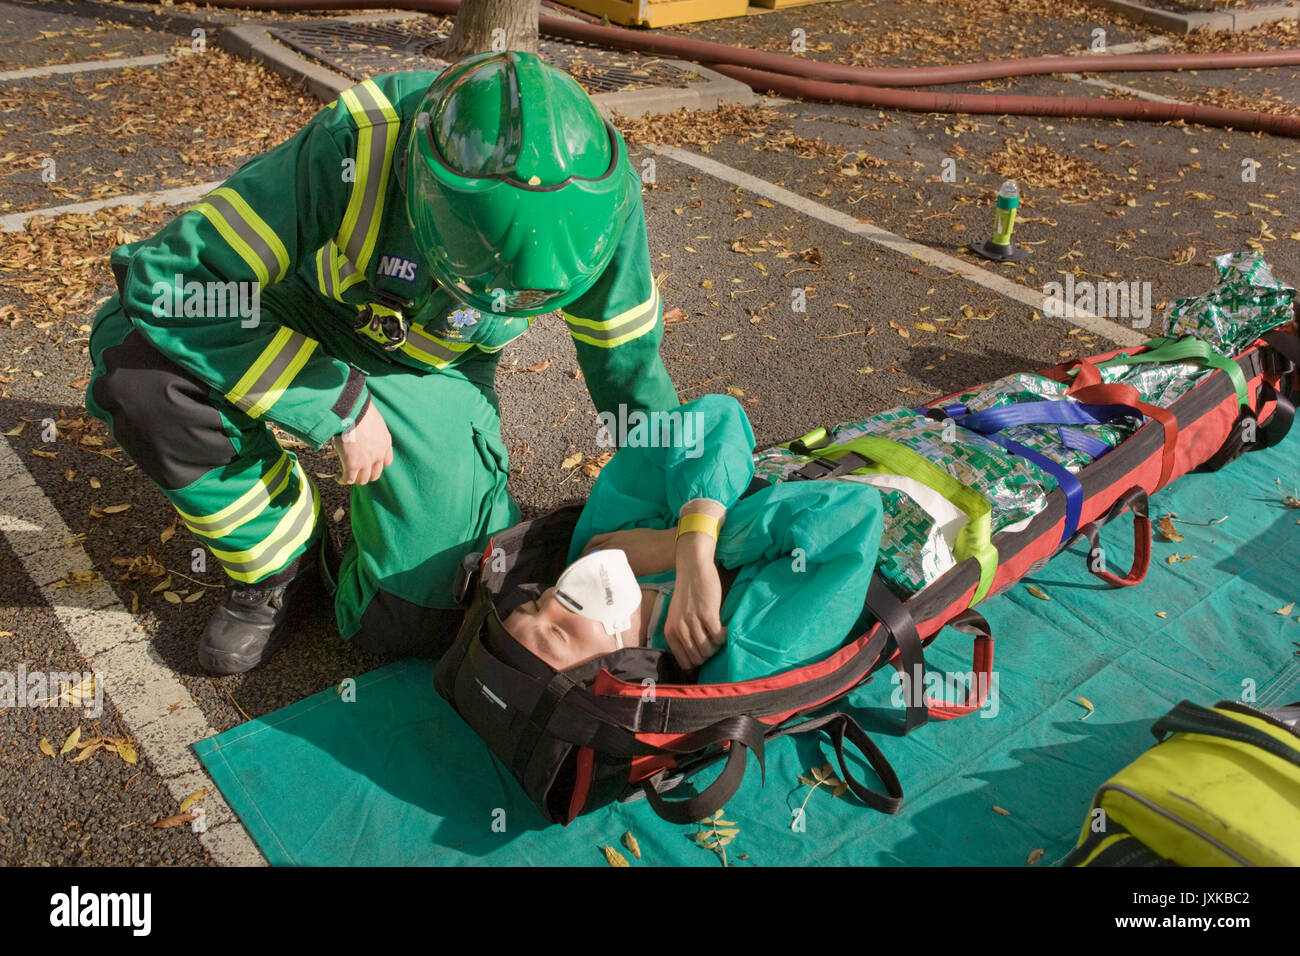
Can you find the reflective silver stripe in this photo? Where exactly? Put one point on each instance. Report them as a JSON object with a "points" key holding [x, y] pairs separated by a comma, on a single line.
{"points": [[346, 268], [375, 173], [304, 520], [283, 359], [424, 343], [246, 232], [627, 325], [251, 507]]}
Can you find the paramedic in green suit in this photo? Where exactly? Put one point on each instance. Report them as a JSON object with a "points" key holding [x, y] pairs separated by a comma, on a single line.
{"points": [[803, 553], [355, 286]]}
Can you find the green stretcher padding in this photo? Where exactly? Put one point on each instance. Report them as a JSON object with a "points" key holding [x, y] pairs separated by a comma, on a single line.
{"points": [[395, 778]]}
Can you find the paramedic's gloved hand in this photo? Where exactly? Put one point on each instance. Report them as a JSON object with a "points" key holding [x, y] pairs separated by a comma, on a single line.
{"points": [[649, 550], [694, 625], [365, 450]]}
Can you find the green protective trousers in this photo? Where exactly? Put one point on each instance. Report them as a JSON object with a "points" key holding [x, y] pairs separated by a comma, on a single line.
{"points": [[253, 505]]}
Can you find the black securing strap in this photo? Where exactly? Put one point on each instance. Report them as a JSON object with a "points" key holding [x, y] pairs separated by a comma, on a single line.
{"points": [[897, 621], [839, 726], [743, 734], [533, 724], [825, 468], [1189, 718]]}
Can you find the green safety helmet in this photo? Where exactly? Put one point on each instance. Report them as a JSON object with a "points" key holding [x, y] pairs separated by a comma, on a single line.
{"points": [[517, 189]]}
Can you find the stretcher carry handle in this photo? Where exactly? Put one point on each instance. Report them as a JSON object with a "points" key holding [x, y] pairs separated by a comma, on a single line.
{"points": [[1134, 499], [909, 657], [1117, 394], [741, 734], [839, 726], [970, 622]]}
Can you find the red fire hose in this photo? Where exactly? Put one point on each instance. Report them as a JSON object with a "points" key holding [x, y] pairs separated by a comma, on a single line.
{"points": [[839, 83], [996, 103]]}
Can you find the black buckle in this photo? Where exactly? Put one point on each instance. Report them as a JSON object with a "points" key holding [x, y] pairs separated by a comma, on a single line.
{"points": [[846, 463], [393, 328], [817, 468], [465, 576]]}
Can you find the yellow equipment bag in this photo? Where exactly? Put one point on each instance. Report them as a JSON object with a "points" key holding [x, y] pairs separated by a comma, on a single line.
{"points": [[1222, 788]]}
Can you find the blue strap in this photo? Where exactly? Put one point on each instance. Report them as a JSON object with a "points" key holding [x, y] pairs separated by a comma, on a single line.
{"points": [[1069, 485], [1061, 412], [992, 420], [1094, 448]]}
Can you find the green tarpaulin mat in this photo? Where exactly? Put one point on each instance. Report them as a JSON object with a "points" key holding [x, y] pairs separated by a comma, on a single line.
{"points": [[394, 777]]}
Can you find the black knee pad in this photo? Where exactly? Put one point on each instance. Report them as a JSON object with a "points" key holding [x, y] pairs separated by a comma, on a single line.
{"points": [[162, 416], [393, 627]]}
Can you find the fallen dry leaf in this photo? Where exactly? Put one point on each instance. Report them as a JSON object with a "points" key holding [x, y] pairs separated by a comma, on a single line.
{"points": [[1034, 857], [1038, 592], [1286, 610], [175, 820], [70, 742], [630, 842], [1166, 526], [614, 858], [46, 747], [998, 810]]}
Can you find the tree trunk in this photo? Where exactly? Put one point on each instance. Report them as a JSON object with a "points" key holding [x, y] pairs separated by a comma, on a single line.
{"points": [[477, 23]]}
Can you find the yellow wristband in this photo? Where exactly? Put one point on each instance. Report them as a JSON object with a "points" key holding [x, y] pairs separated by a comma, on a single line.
{"points": [[705, 524]]}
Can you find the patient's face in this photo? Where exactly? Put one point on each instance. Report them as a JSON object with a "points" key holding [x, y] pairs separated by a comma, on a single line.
{"points": [[557, 635]]}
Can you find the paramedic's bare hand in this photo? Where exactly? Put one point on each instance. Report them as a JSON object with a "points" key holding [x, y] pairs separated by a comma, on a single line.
{"points": [[694, 626], [366, 450], [648, 550]]}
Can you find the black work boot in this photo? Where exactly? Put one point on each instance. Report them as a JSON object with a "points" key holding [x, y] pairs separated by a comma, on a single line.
{"points": [[252, 621]]}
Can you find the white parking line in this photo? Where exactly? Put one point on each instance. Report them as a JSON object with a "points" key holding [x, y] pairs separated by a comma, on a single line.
{"points": [[1121, 88], [17, 221], [156, 708], [87, 66], [882, 237]]}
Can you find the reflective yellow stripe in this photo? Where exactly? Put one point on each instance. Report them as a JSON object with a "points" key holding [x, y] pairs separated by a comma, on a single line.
{"points": [[258, 224], [277, 388], [273, 552], [377, 128], [244, 508], [246, 233], [324, 274], [236, 394], [612, 332], [347, 275], [432, 350], [263, 384]]}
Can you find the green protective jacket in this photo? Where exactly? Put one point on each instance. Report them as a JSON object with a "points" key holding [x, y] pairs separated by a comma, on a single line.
{"points": [[327, 210], [805, 550]]}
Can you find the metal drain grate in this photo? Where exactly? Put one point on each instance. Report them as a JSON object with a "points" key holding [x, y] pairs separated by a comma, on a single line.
{"points": [[360, 50]]}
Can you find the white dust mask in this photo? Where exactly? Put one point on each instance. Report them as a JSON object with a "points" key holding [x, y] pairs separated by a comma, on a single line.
{"points": [[602, 587]]}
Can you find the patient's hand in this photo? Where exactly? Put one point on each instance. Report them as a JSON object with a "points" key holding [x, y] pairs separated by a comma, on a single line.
{"points": [[648, 550], [694, 625]]}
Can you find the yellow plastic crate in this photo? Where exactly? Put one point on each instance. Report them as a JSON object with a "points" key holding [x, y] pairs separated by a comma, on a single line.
{"points": [[661, 13]]}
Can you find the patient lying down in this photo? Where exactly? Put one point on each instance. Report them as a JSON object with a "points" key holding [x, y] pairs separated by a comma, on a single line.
{"points": [[662, 531]]}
